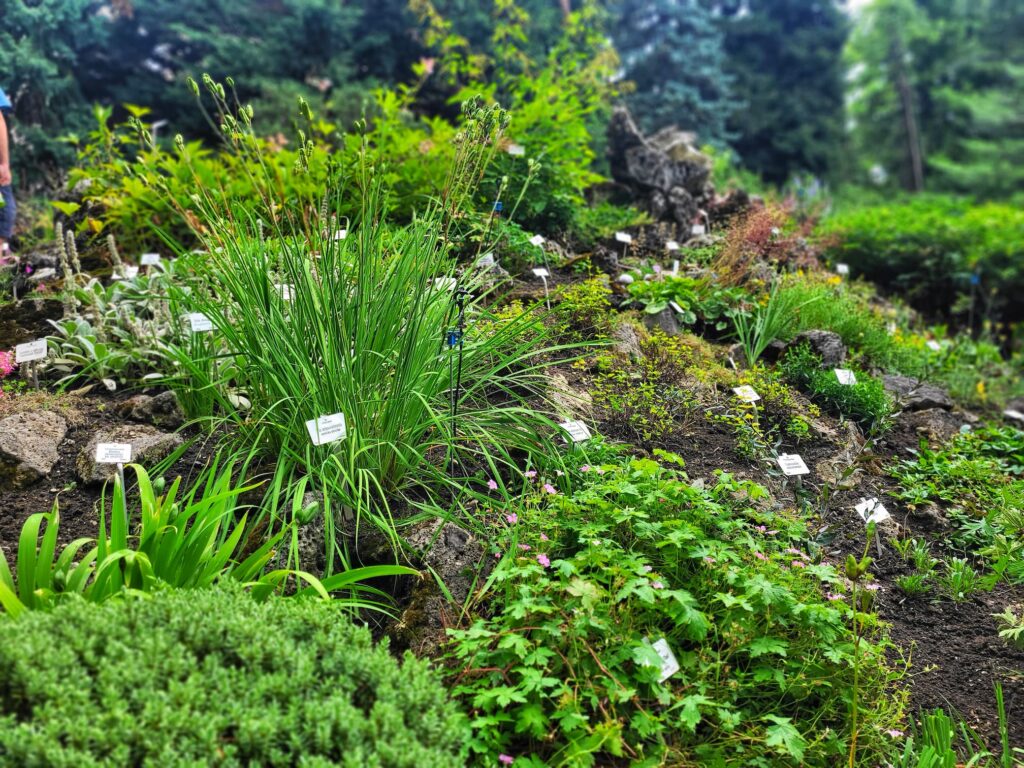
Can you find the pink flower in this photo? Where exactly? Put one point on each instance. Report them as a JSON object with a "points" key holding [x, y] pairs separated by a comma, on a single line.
{"points": [[543, 560], [585, 468], [871, 587], [657, 585], [710, 560], [760, 555], [895, 733], [7, 364], [762, 529], [833, 596], [512, 519], [524, 547], [549, 488], [543, 537], [506, 759], [492, 485], [798, 564], [796, 552], [599, 471], [530, 473], [497, 555]]}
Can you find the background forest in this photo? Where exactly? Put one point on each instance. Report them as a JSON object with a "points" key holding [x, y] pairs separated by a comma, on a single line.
{"points": [[891, 94]]}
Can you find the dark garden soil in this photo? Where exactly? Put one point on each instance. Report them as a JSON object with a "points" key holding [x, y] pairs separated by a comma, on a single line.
{"points": [[78, 503]]}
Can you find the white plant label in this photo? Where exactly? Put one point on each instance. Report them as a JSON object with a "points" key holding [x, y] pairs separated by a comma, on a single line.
{"points": [[1012, 414], [327, 429], [541, 272], [286, 292], [933, 345], [127, 273], [669, 663], [846, 377], [746, 393], [675, 267], [623, 237], [537, 240], [516, 150], [150, 259], [672, 245], [871, 511], [578, 431], [445, 283], [199, 322], [487, 260], [675, 307], [697, 229], [29, 351], [842, 269], [341, 234], [113, 453], [791, 465]]}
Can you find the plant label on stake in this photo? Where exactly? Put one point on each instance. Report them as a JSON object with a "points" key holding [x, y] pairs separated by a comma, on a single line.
{"points": [[872, 511], [543, 275], [128, 272], [445, 283], [1012, 414], [933, 345], [843, 269], [623, 237], [697, 230], [671, 245], [537, 240], [845, 376], [576, 431], [199, 322], [516, 150], [327, 429], [284, 291], [792, 465], [669, 663], [676, 308], [746, 393], [341, 234], [150, 260], [486, 261], [119, 454], [675, 267], [29, 352]]}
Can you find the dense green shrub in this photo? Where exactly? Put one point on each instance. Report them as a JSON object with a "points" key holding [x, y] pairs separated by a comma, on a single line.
{"points": [[559, 670], [928, 247], [866, 401], [214, 678]]}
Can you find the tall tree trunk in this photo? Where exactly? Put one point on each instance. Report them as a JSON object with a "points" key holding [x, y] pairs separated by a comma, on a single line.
{"points": [[909, 119]]}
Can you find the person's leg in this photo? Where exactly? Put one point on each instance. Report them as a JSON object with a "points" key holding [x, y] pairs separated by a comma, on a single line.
{"points": [[7, 213]]}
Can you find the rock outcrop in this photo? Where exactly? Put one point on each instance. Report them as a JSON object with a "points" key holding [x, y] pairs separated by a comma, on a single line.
{"points": [[29, 444]]}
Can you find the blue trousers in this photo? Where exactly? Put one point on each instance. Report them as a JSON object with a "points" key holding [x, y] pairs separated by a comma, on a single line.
{"points": [[7, 213]]}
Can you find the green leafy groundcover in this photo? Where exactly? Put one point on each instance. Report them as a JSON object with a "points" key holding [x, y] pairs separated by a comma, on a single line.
{"points": [[210, 677], [563, 673]]}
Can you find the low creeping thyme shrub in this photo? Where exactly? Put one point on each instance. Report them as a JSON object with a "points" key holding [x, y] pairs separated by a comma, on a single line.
{"points": [[866, 401], [214, 678], [559, 668]]}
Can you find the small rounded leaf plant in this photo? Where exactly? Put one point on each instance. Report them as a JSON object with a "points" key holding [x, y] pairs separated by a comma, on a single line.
{"points": [[214, 678]]}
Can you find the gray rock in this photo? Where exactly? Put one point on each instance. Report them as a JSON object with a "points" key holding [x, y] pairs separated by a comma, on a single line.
{"points": [[936, 424], [825, 344], [626, 341], [916, 395], [664, 320], [149, 445], [29, 444], [568, 401], [160, 410]]}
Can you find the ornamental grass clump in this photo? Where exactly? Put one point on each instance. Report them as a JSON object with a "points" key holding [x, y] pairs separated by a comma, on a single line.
{"points": [[211, 677], [321, 316]]}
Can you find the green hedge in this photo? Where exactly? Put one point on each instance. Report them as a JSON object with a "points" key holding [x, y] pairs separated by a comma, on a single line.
{"points": [[212, 678], [928, 247]]}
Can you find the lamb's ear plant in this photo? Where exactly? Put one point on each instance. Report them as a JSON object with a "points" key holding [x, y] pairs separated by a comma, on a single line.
{"points": [[317, 323]]}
